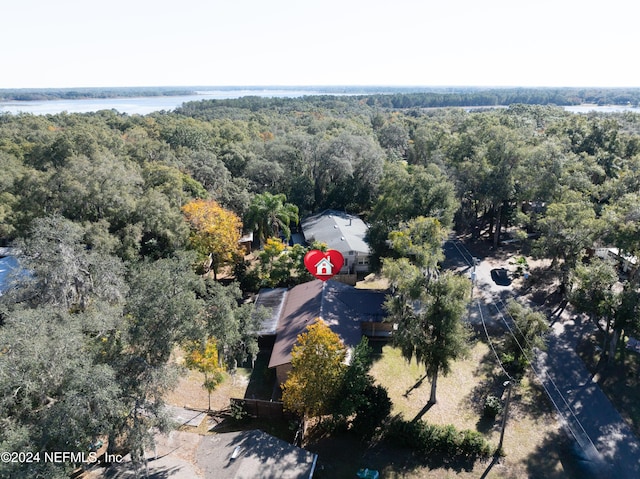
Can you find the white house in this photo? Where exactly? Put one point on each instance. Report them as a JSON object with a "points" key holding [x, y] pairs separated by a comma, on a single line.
{"points": [[627, 262], [342, 232]]}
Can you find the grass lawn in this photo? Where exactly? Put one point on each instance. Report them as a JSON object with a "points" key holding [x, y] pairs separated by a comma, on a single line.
{"points": [[533, 443], [191, 393]]}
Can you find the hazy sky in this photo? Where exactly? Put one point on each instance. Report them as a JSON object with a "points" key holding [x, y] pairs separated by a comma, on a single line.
{"points": [[73, 43]]}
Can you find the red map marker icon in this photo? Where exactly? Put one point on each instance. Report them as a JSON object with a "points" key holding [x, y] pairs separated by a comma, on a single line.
{"points": [[323, 265]]}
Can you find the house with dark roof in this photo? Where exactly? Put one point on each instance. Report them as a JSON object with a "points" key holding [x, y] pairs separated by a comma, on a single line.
{"points": [[342, 232], [348, 311]]}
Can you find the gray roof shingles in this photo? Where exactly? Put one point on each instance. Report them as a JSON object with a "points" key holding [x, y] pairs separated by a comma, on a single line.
{"points": [[338, 230]]}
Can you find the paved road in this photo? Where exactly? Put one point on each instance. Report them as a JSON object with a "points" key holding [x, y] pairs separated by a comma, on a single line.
{"points": [[604, 442]]}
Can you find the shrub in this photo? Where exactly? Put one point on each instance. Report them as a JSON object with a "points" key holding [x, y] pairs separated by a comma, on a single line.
{"points": [[249, 279], [492, 406], [375, 407], [238, 411], [360, 402], [473, 444], [446, 441]]}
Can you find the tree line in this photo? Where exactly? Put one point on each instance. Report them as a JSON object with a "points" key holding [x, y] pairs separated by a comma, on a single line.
{"points": [[388, 97], [45, 94]]}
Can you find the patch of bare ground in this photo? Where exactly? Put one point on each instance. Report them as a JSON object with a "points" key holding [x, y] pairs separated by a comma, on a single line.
{"points": [[373, 281], [190, 392]]}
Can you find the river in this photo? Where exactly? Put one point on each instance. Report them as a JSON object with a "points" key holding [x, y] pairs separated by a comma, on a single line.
{"points": [[147, 104], [150, 104]]}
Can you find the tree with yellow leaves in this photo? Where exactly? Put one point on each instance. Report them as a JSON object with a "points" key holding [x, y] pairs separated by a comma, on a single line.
{"points": [[203, 357], [215, 232], [318, 366]]}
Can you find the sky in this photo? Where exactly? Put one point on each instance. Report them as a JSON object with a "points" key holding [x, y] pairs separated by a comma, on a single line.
{"points": [[99, 43]]}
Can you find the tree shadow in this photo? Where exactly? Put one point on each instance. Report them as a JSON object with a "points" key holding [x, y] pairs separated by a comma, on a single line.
{"points": [[342, 455], [537, 402], [491, 385], [262, 379], [559, 457], [542, 287], [280, 428], [415, 386], [422, 412], [493, 462], [377, 348]]}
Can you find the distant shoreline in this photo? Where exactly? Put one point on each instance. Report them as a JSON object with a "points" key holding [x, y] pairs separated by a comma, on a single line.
{"points": [[51, 94], [142, 101], [46, 94], [571, 95]]}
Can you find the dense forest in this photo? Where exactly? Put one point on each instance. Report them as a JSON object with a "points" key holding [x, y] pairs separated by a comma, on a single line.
{"points": [[107, 213]]}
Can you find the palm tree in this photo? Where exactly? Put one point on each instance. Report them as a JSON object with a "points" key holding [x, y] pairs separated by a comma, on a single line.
{"points": [[270, 216]]}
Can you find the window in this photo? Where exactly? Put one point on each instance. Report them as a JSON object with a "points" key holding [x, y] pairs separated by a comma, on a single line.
{"points": [[363, 260]]}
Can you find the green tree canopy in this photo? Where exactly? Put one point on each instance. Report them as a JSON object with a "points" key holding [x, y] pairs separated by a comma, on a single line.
{"points": [[529, 333], [420, 240], [231, 322], [568, 228], [408, 192], [63, 271]]}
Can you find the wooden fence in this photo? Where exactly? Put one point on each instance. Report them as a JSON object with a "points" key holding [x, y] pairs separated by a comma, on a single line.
{"points": [[350, 279], [263, 409]]}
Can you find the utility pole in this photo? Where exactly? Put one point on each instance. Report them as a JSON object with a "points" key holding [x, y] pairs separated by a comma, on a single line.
{"points": [[473, 274], [509, 385], [473, 282]]}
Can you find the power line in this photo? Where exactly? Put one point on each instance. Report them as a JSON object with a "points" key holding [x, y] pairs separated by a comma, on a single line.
{"points": [[559, 393], [486, 332], [484, 325], [540, 379]]}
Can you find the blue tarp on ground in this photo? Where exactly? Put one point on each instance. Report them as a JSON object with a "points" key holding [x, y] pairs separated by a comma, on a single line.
{"points": [[7, 265], [367, 474]]}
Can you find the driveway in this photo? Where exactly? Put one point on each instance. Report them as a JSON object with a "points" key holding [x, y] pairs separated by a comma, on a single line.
{"points": [[605, 443]]}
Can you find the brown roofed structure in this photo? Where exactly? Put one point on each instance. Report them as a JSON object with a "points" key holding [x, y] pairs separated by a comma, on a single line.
{"points": [[301, 308], [342, 307]]}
